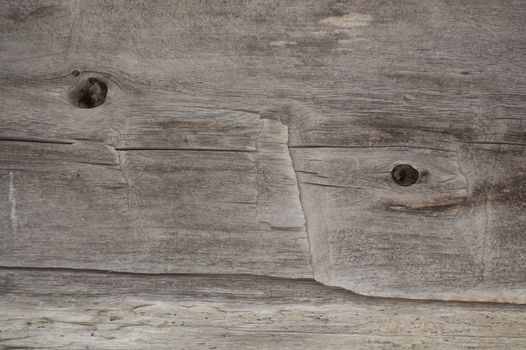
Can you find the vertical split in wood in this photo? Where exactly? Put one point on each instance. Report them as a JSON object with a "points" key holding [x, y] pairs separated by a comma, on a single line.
{"points": [[301, 201], [268, 124]]}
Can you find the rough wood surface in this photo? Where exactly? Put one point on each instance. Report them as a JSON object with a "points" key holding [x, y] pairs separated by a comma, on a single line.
{"points": [[72, 310], [85, 205], [455, 234], [258, 138]]}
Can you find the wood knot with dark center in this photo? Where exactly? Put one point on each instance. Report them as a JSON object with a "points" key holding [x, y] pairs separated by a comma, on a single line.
{"points": [[404, 174], [92, 93]]}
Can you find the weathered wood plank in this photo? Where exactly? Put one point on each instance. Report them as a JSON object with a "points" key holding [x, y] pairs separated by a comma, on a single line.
{"points": [[350, 79], [439, 76], [36, 35], [74, 310], [130, 118], [85, 205], [439, 238]]}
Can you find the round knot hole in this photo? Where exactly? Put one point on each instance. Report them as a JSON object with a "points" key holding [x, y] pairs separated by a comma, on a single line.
{"points": [[404, 174], [89, 94]]}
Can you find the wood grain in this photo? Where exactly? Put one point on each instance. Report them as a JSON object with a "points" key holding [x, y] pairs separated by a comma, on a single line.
{"points": [[36, 36], [439, 238], [76, 309], [85, 205], [214, 109]]}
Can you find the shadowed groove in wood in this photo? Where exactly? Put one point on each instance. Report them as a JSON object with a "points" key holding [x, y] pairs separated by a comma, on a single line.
{"points": [[361, 86], [198, 311], [297, 283]]}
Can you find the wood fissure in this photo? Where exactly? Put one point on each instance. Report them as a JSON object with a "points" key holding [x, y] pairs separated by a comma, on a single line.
{"points": [[297, 174], [36, 140], [297, 283], [300, 198], [148, 311]]}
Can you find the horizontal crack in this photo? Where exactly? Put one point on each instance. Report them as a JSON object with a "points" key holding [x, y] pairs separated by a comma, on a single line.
{"points": [[367, 147], [492, 143], [36, 140], [75, 141], [328, 185], [184, 149], [352, 294]]}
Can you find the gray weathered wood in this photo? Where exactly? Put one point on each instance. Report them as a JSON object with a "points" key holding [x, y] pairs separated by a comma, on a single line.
{"points": [[240, 136], [85, 205], [72, 310], [436, 239], [245, 138]]}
